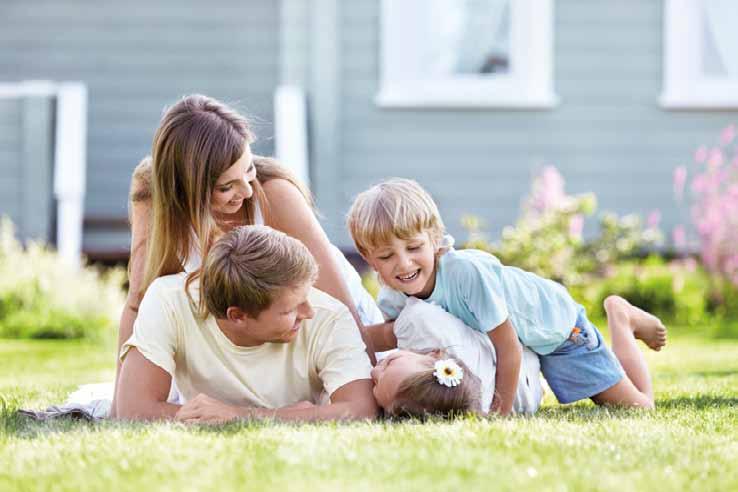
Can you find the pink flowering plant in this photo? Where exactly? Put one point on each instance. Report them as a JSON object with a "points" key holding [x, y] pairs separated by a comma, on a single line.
{"points": [[548, 237], [710, 187]]}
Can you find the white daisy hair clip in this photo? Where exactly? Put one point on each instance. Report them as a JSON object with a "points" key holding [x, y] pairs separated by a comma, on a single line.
{"points": [[448, 372]]}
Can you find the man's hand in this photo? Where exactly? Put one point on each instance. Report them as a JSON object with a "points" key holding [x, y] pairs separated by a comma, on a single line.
{"points": [[206, 410], [300, 405]]}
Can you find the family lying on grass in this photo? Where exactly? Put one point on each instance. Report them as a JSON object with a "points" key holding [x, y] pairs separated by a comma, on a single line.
{"points": [[239, 306]]}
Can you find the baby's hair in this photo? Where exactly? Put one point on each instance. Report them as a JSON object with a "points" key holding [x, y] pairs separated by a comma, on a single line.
{"points": [[421, 394], [396, 207]]}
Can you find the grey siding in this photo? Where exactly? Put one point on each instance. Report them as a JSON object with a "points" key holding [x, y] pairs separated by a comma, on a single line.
{"points": [[26, 139], [137, 57], [608, 135], [11, 148]]}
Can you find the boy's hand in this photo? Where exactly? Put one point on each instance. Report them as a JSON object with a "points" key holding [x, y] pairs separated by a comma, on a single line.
{"points": [[509, 356]]}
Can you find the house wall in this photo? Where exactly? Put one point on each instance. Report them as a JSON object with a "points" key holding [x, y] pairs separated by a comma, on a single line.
{"points": [[608, 135], [136, 57], [26, 162], [11, 147]]}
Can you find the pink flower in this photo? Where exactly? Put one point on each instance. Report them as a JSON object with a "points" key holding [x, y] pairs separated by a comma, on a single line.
{"points": [[576, 225], [727, 135], [653, 219], [701, 154], [680, 178], [548, 191], [700, 184], [716, 158], [679, 236], [690, 264]]}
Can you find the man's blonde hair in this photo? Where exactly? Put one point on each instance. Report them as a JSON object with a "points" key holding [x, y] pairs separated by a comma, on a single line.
{"points": [[394, 208], [250, 266]]}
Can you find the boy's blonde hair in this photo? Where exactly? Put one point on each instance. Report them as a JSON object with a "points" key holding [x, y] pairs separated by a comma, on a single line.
{"points": [[394, 208], [250, 266], [421, 394]]}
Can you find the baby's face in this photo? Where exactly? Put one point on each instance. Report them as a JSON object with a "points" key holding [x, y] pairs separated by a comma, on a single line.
{"points": [[407, 265], [391, 371]]}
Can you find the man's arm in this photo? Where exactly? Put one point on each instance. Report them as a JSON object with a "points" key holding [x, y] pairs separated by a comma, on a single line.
{"points": [[143, 388], [352, 401], [382, 336], [509, 357]]}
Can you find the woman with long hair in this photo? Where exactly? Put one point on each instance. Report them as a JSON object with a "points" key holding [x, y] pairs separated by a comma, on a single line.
{"points": [[201, 181]]}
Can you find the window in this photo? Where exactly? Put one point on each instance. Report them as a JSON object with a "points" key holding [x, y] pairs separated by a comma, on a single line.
{"points": [[466, 53], [700, 54]]}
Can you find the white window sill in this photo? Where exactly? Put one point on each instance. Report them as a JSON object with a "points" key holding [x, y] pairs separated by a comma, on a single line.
{"points": [[468, 100], [697, 102]]}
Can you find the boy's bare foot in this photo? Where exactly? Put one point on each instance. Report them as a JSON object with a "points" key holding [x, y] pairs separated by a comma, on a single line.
{"points": [[645, 326]]}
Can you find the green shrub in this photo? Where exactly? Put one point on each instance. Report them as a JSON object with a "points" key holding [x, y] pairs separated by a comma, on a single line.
{"points": [[43, 297], [547, 237], [675, 292]]}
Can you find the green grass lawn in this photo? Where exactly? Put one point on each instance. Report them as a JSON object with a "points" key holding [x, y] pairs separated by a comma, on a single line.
{"points": [[689, 443]]}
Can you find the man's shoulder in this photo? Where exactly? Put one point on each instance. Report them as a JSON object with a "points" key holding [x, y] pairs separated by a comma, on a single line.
{"points": [[170, 282], [326, 305], [170, 289]]}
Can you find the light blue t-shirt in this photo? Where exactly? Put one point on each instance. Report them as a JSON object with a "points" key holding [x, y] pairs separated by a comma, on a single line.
{"points": [[475, 287]]}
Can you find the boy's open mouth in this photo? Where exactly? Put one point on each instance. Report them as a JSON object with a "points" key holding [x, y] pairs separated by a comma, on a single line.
{"points": [[410, 277]]}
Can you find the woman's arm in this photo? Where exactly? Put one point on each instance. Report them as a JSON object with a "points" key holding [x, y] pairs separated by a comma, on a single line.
{"points": [[509, 357], [382, 336], [140, 218], [291, 214]]}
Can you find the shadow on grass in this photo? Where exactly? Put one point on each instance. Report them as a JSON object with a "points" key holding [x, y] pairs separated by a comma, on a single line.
{"points": [[715, 374], [697, 402], [22, 426]]}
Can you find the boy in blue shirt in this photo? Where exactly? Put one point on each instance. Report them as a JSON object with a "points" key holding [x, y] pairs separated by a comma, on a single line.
{"points": [[398, 230]]}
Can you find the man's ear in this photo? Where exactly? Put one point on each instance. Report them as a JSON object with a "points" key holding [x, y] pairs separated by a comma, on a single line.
{"points": [[235, 314]]}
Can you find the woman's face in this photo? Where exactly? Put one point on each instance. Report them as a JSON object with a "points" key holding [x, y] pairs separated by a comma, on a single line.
{"points": [[234, 185], [391, 371]]}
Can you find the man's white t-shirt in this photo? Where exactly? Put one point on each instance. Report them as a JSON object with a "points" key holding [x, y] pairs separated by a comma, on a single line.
{"points": [[327, 352]]}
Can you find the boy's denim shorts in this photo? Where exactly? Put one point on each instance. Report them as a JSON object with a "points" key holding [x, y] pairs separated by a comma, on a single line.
{"points": [[582, 366]]}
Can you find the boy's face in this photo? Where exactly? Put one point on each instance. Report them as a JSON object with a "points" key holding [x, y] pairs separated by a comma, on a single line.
{"points": [[407, 265]]}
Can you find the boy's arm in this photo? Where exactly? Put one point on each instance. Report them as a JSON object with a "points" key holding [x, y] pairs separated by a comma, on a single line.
{"points": [[382, 336], [352, 401], [143, 388], [509, 357]]}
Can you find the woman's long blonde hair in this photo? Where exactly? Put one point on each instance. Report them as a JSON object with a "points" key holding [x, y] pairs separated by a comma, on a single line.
{"points": [[197, 140]]}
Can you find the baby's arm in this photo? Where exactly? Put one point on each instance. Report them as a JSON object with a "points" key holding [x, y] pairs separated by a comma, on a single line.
{"points": [[382, 336], [509, 356]]}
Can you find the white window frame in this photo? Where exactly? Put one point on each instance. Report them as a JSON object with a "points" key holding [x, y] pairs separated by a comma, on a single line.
{"points": [[528, 86], [684, 85]]}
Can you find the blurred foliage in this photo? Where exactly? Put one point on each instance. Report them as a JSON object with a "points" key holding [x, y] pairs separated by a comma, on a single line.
{"points": [[547, 240], [41, 296]]}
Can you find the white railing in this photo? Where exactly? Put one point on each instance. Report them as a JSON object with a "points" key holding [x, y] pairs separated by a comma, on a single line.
{"points": [[70, 156], [290, 130]]}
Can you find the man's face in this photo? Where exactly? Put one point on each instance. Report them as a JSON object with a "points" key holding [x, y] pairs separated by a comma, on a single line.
{"points": [[280, 322]]}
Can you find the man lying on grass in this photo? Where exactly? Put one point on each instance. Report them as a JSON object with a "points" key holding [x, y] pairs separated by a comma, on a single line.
{"points": [[249, 338]]}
